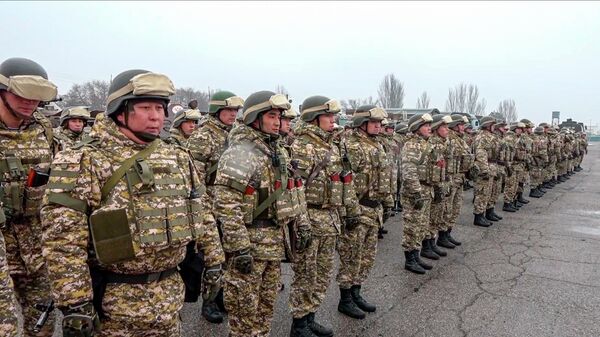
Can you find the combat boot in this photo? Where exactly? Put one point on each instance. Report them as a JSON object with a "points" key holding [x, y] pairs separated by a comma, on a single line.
{"points": [[443, 241], [411, 264], [317, 328], [451, 239], [517, 204], [562, 178], [360, 301], [437, 249], [521, 199], [421, 262], [547, 185], [535, 193], [210, 311], [380, 233], [508, 207], [300, 328], [489, 216], [427, 252], [347, 305], [480, 220]]}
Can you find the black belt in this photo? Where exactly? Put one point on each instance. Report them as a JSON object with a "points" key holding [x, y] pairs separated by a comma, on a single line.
{"points": [[111, 277], [315, 206], [369, 203], [262, 223]]}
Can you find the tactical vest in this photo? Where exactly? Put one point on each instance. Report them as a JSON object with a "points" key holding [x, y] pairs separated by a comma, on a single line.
{"points": [[25, 157], [375, 184]]}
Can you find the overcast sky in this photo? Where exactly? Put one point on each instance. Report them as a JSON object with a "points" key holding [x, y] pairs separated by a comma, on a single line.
{"points": [[544, 55]]}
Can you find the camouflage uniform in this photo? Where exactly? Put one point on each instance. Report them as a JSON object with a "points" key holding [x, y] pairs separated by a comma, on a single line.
{"points": [[31, 145], [484, 146], [252, 169], [500, 163], [460, 162], [8, 307], [540, 158], [437, 161], [65, 138], [508, 154], [158, 202]]}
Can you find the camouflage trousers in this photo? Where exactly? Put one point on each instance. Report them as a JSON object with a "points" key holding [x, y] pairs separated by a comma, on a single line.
{"points": [[536, 176], [250, 298], [437, 221], [562, 167], [416, 222], [9, 323], [312, 273], [495, 191], [28, 272], [149, 310], [454, 202], [522, 179], [482, 193], [357, 248], [512, 183]]}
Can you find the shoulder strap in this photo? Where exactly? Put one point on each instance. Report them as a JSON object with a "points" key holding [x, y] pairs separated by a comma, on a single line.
{"points": [[126, 165], [47, 125], [271, 198]]}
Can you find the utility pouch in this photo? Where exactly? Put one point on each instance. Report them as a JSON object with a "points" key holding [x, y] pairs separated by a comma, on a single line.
{"points": [[315, 192], [33, 200], [111, 236], [336, 190], [249, 202]]}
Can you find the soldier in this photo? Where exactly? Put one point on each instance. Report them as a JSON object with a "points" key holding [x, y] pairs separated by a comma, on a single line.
{"points": [[392, 150], [255, 202], [540, 160], [119, 212], [417, 191], [437, 163], [206, 145], [70, 131], [26, 141], [327, 181], [183, 126], [508, 154], [528, 143], [400, 137], [522, 160], [357, 246], [459, 163], [485, 170], [547, 169], [285, 131], [9, 322]]}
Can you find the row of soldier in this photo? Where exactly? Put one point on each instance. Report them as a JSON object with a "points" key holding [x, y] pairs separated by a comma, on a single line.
{"points": [[106, 236]]}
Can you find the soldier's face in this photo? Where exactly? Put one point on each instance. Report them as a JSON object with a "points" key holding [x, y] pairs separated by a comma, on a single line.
{"points": [[75, 125], [270, 122], [187, 128], [23, 107], [145, 116], [373, 127], [326, 122], [425, 130], [227, 116], [442, 131], [518, 131], [285, 127], [388, 131]]}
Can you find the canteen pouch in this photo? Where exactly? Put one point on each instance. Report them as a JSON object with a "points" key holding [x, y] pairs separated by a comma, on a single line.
{"points": [[33, 200], [111, 236]]}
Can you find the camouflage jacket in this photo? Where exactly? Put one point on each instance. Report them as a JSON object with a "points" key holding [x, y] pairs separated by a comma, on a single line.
{"points": [[392, 150], [370, 164], [320, 158], [65, 138], [485, 148], [28, 147], [250, 171], [161, 212], [415, 154], [540, 150], [460, 158], [437, 161], [176, 137], [207, 145]]}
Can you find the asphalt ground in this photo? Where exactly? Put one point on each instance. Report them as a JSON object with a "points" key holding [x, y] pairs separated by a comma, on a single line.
{"points": [[535, 273]]}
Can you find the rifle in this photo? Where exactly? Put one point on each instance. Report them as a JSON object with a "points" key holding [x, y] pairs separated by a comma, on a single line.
{"points": [[46, 310]]}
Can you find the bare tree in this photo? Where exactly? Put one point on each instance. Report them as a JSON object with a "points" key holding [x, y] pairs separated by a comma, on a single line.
{"points": [[184, 95], [465, 98], [423, 101], [350, 104], [391, 92], [369, 101], [93, 94], [508, 109]]}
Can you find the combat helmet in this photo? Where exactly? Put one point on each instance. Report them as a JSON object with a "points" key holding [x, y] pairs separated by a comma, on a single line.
{"points": [[527, 122], [224, 100], [439, 120], [263, 101], [487, 121], [415, 122], [138, 84], [539, 130], [517, 125], [290, 113], [76, 112], [401, 128], [26, 78], [369, 112], [458, 119], [186, 115], [314, 106]]}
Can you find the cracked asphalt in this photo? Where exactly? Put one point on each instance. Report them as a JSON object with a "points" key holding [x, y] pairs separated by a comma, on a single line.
{"points": [[535, 273]]}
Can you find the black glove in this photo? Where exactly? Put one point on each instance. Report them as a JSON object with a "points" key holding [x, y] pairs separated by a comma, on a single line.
{"points": [[437, 194], [351, 223], [304, 238], [243, 261], [211, 282], [418, 202], [80, 320]]}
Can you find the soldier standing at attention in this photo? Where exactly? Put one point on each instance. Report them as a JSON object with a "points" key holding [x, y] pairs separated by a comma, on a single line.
{"points": [[285, 131], [392, 152], [400, 137], [436, 164], [70, 130], [509, 152], [484, 169], [206, 145], [255, 200], [417, 191], [327, 181], [357, 246], [26, 142], [119, 211], [183, 126]]}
